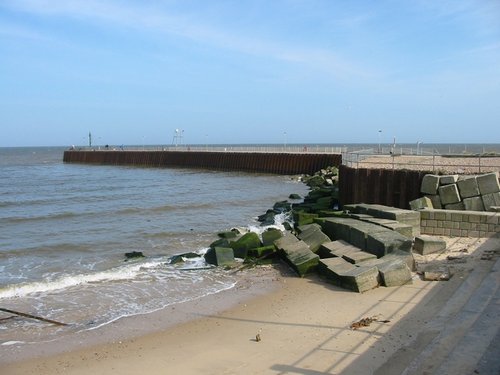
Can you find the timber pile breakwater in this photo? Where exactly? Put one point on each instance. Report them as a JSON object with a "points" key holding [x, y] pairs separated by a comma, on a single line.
{"points": [[259, 162]]}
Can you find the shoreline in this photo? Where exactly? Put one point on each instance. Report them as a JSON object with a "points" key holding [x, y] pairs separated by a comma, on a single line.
{"points": [[304, 324], [251, 283]]}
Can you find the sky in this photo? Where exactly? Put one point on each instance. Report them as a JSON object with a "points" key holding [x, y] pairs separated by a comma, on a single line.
{"points": [[249, 71]]}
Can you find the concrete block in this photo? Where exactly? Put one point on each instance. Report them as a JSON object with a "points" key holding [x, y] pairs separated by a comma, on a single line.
{"points": [[430, 184], [338, 228], [392, 213], [449, 194], [220, 256], [404, 229], [491, 200], [383, 243], [356, 257], [246, 242], [467, 187], [361, 279], [379, 221], [271, 235], [334, 269], [394, 273], [299, 257], [488, 183], [314, 238], [287, 239], [436, 201], [363, 217], [427, 244], [421, 203], [359, 232], [448, 180], [335, 249], [262, 251], [474, 204], [342, 273], [455, 206]]}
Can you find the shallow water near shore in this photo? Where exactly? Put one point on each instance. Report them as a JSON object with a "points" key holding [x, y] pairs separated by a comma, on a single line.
{"points": [[65, 229]]}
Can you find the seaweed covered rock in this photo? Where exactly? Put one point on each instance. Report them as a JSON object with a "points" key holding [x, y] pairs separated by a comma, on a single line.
{"points": [[220, 256], [271, 235], [246, 242], [134, 254]]}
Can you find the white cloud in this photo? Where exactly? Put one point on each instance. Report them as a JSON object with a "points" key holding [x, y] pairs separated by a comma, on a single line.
{"points": [[190, 26]]}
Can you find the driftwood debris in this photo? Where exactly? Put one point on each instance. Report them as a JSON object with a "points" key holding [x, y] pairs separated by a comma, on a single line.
{"points": [[33, 317], [365, 322]]}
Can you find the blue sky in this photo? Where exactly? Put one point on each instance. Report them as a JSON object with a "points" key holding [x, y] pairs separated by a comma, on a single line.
{"points": [[249, 71]]}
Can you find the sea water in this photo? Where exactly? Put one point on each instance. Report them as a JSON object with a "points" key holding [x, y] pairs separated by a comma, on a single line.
{"points": [[65, 229]]}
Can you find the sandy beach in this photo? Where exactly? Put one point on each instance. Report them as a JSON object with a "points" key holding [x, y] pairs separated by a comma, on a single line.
{"points": [[304, 325]]}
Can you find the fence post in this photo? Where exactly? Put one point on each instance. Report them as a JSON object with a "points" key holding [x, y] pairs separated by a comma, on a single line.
{"points": [[479, 159]]}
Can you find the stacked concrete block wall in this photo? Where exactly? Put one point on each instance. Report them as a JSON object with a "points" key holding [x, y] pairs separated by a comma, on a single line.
{"points": [[459, 223], [464, 193]]}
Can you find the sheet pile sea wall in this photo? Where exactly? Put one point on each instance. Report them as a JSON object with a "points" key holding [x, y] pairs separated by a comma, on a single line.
{"points": [[277, 163]]}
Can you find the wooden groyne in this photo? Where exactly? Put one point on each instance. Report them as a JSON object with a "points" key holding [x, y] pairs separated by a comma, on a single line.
{"points": [[258, 162]]}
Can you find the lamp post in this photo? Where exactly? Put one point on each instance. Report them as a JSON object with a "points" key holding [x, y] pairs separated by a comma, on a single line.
{"points": [[284, 135], [418, 148], [379, 135]]}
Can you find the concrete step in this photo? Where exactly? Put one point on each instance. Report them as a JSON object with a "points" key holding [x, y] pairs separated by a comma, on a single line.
{"points": [[469, 351], [463, 330]]}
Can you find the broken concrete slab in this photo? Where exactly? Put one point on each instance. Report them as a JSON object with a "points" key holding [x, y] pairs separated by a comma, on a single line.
{"points": [[488, 183], [383, 243], [299, 256], [428, 244], [314, 238], [356, 257], [404, 229], [334, 269], [338, 228], [287, 238], [335, 249], [394, 272], [361, 279], [308, 228], [449, 194], [421, 203]]}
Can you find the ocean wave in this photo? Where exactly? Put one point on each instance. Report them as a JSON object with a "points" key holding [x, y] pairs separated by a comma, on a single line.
{"points": [[128, 272], [222, 288]]}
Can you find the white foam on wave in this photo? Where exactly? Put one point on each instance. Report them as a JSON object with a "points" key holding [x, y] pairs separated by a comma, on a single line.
{"points": [[8, 343], [279, 221], [127, 272], [150, 311]]}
